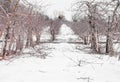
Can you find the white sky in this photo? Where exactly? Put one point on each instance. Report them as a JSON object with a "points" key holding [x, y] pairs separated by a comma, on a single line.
{"points": [[56, 6]]}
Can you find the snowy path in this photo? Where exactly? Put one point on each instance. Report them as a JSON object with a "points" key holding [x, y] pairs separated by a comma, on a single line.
{"points": [[29, 69], [61, 66]]}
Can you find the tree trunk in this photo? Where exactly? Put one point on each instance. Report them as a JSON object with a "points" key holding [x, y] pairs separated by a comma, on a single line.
{"points": [[119, 57], [52, 31], [19, 44], [86, 38], [94, 36], [109, 45], [4, 51], [29, 39], [94, 43], [37, 38], [53, 34]]}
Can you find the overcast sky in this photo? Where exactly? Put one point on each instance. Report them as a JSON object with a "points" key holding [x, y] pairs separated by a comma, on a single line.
{"points": [[57, 6]]}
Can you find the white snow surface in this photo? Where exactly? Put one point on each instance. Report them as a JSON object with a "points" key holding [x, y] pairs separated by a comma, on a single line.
{"points": [[65, 62], [61, 65], [66, 34]]}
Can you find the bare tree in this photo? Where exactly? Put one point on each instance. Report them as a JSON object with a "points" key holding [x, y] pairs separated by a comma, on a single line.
{"points": [[7, 12], [90, 9], [20, 23], [55, 26], [111, 25], [99, 15]]}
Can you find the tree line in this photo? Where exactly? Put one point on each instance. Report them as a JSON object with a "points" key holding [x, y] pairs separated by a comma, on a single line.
{"points": [[19, 23], [97, 18], [91, 19]]}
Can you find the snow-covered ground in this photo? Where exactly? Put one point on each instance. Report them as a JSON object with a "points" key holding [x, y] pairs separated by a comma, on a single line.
{"points": [[64, 63], [66, 34]]}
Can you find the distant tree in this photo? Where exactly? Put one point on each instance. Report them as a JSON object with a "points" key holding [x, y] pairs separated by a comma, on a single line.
{"points": [[55, 25]]}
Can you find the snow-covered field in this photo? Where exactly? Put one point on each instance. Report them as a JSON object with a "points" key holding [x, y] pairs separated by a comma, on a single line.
{"points": [[64, 63]]}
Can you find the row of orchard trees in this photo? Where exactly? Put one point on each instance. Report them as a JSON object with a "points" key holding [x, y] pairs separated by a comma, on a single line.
{"points": [[95, 18], [7, 11], [19, 23]]}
